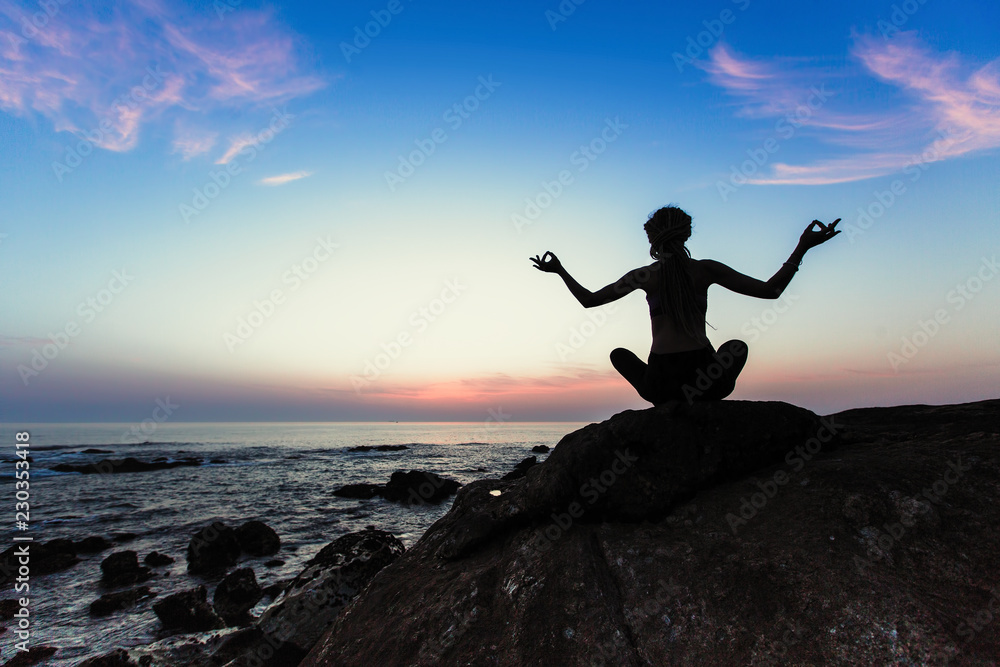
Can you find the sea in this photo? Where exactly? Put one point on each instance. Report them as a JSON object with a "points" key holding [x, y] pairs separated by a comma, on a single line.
{"points": [[283, 474]]}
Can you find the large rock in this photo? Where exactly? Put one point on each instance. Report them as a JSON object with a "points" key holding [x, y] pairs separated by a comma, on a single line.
{"points": [[258, 539], [879, 553], [236, 595], [215, 547], [188, 611]]}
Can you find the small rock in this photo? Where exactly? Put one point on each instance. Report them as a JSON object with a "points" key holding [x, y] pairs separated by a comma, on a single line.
{"points": [[361, 491], [540, 449], [214, 547], [8, 608], [112, 602], [156, 559], [416, 487], [122, 568], [274, 562], [188, 611], [94, 450], [117, 658], [91, 545], [378, 448], [32, 656], [236, 595], [258, 539]]}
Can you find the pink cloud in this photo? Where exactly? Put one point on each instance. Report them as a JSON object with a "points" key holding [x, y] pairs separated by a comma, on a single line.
{"points": [[83, 69], [945, 107]]}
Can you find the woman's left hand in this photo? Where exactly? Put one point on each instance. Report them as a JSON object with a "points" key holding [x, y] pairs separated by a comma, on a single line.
{"points": [[811, 238], [551, 265]]}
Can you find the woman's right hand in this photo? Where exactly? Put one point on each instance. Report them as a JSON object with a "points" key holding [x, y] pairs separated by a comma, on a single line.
{"points": [[811, 238], [551, 265]]}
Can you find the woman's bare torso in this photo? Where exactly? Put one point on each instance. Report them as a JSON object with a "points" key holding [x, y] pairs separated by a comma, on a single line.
{"points": [[668, 337]]}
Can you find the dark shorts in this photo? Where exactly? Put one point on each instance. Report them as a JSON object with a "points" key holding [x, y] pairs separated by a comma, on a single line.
{"points": [[693, 375]]}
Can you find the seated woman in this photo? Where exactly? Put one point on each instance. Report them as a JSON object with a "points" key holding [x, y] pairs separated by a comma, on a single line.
{"points": [[682, 364]]}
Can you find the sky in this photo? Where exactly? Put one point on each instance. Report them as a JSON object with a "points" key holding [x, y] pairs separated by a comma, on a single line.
{"points": [[325, 211]]}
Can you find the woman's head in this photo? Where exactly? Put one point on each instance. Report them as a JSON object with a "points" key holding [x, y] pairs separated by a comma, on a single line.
{"points": [[667, 229]]}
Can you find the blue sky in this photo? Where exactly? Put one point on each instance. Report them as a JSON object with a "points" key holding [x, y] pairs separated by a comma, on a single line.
{"points": [[285, 202]]}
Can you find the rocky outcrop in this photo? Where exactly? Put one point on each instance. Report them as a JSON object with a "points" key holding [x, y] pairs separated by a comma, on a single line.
{"points": [[727, 533], [188, 611], [521, 468], [540, 449], [129, 464], [329, 581], [413, 488]]}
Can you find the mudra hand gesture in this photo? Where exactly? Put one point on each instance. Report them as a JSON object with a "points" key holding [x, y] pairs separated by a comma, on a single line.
{"points": [[550, 265], [811, 238]]}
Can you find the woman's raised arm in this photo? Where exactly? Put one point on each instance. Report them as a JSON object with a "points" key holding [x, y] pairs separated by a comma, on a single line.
{"points": [[616, 290], [743, 284]]}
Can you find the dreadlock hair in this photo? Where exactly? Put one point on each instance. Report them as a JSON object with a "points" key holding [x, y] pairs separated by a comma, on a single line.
{"points": [[668, 229]]}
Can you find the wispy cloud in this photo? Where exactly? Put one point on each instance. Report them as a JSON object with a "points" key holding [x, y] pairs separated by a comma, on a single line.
{"points": [[944, 106], [281, 179], [190, 143], [118, 67], [236, 144]]}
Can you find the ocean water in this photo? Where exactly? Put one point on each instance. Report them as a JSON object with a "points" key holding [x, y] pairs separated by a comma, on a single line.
{"points": [[280, 473]]}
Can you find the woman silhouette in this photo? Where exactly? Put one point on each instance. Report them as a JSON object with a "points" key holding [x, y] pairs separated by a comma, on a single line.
{"points": [[683, 365]]}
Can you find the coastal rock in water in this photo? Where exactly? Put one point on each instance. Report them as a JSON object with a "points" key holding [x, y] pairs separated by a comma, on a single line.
{"points": [[417, 488], [540, 449], [32, 656], [521, 468], [112, 602], [889, 547], [413, 488], [91, 545], [8, 608], [46, 558], [130, 464], [236, 595], [361, 491], [336, 574], [94, 450], [122, 568], [156, 559], [188, 611], [258, 539], [117, 658], [214, 547], [377, 448]]}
